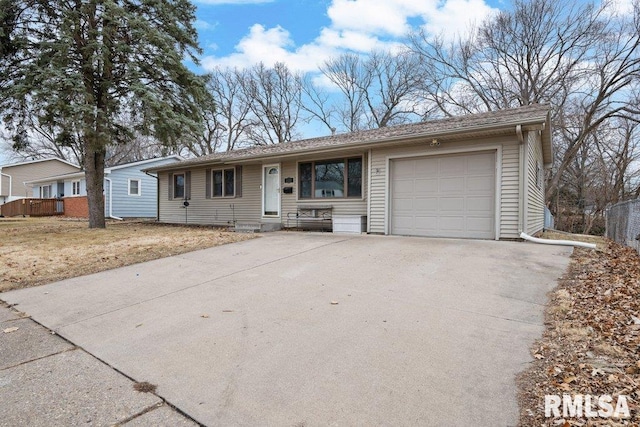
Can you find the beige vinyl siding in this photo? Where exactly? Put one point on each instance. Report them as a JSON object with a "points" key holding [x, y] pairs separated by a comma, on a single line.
{"points": [[248, 208], [535, 192], [508, 182], [33, 171], [216, 210], [509, 196]]}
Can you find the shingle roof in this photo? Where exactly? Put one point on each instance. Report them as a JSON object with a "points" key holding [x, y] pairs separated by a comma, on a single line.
{"points": [[531, 114]]}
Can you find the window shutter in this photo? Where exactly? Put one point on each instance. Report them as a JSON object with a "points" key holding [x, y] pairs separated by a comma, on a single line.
{"points": [[187, 185], [207, 175], [238, 181], [170, 186]]}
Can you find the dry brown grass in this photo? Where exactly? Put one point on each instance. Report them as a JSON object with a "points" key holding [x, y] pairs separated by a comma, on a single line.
{"points": [[35, 251]]}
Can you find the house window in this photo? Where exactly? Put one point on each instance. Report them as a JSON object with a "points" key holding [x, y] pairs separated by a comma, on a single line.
{"points": [[178, 186], [135, 187], [75, 188], [330, 178], [223, 184], [45, 192]]}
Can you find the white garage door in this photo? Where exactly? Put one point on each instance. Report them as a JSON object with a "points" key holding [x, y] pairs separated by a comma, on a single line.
{"points": [[444, 196]]}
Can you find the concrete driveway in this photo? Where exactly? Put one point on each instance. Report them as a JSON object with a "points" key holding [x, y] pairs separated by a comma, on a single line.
{"points": [[425, 332]]}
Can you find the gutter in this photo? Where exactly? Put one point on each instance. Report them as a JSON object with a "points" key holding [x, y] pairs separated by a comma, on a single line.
{"points": [[532, 125], [157, 194], [557, 242], [111, 200]]}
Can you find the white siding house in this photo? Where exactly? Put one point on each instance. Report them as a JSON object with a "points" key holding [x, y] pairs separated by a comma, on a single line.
{"points": [[475, 176]]}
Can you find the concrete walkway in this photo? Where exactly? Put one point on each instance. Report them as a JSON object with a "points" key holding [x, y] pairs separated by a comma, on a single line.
{"points": [[47, 381], [424, 332]]}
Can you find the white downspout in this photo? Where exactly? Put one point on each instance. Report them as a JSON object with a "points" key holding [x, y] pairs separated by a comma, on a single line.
{"points": [[111, 200], [369, 174], [522, 181], [557, 242]]}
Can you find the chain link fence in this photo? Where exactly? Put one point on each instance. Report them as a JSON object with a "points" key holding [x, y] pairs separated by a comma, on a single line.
{"points": [[623, 223]]}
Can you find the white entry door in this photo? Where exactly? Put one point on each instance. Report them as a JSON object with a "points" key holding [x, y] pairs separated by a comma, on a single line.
{"points": [[271, 190]]}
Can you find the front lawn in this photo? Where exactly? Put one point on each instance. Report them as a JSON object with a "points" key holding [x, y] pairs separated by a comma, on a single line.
{"points": [[35, 251]]}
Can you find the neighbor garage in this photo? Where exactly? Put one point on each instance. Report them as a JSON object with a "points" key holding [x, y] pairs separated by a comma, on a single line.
{"points": [[444, 196]]}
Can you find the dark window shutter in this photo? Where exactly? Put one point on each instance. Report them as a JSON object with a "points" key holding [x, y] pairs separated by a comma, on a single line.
{"points": [[238, 181], [187, 185], [170, 186], [207, 185]]}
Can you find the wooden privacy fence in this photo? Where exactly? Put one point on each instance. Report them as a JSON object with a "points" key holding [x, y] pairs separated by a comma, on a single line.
{"points": [[33, 207]]}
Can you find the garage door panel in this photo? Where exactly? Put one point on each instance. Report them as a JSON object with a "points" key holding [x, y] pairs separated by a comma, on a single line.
{"points": [[426, 186], [403, 205], [451, 223], [401, 186], [451, 185], [451, 204], [481, 183], [426, 223], [480, 204], [426, 204], [479, 163], [444, 196], [451, 166], [478, 224], [427, 167]]}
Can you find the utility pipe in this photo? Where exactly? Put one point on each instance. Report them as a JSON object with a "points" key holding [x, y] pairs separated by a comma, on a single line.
{"points": [[111, 201], [557, 242]]}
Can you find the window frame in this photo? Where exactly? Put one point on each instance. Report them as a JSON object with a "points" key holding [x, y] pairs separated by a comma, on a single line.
{"points": [[346, 195], [75, 188], [139, 181], [223, 183], [184, 185]]}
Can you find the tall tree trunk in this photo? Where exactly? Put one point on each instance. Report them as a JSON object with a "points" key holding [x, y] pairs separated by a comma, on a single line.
{"points": [[94, 174]]}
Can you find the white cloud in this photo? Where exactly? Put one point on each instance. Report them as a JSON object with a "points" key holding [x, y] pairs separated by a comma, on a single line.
{"points": [[456, 17], [620, 7], [357, 26]]}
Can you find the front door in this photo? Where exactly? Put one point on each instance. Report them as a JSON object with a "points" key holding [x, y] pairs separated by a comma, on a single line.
{"points": [[271, 190]]}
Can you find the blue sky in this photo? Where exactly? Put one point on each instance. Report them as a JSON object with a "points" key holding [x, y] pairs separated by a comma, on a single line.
{"points": [[240, 33], [304, 33]]}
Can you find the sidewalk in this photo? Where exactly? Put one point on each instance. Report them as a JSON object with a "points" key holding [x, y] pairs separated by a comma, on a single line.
{"points": [[47, 381]]}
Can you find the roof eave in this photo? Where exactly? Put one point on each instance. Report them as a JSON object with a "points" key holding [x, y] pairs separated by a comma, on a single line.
{"points": [[537, 123]]}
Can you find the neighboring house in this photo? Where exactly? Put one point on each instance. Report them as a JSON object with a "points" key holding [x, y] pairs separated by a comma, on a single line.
{"points": [[475, 176], [129, 192], [14, 176]]}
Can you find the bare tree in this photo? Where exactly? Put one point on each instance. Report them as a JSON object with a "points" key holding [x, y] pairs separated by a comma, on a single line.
{"points": [[274, 96], [348, 74], [376, 91], [227, 122], [582, 59]]}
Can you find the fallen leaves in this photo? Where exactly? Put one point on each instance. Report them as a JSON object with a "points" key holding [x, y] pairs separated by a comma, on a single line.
{"points": [[591, 344], [9, 330]]}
